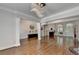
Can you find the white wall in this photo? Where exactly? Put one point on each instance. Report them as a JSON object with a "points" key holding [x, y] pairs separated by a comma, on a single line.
{"points": [[25, 28], [9, 33], [45, 30], [74, 20]]}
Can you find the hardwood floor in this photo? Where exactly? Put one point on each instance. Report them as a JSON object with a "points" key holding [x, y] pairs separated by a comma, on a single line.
{"points": [[36, 47]]}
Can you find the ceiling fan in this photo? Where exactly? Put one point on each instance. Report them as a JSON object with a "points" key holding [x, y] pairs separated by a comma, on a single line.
{"points": [[38, 9]]}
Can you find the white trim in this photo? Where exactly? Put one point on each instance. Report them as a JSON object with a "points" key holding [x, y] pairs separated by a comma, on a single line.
{"points": [[67, 13], [17, 30], [10, 46], [39, 31], [17, 12], [65, 20]]}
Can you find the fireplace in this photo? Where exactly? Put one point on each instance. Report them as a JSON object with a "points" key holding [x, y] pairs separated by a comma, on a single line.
{"points": [[51, 34], [33, 35]]}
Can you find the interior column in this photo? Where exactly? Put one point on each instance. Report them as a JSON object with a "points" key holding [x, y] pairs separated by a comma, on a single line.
{"points": [[39, 30]]}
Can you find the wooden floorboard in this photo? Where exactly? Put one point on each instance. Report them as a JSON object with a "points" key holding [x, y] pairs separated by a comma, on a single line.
{"points": [[36, 47]]}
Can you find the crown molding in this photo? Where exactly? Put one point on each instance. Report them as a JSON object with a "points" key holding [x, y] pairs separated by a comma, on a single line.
{"points": [[71, 12], [19, 13]]}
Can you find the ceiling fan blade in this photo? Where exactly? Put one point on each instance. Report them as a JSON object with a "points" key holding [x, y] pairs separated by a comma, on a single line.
{"points": [[37, 12]]}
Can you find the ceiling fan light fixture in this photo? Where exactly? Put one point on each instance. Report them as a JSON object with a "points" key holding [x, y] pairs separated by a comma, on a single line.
{"points": [[38, 9], [37, 12], [42, 5]]}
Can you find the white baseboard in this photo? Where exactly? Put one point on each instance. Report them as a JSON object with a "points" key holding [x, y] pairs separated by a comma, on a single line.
{"points": [[10, 46]]}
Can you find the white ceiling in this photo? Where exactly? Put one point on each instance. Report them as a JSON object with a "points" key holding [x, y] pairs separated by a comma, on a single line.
{"points": [[51, 8]]}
